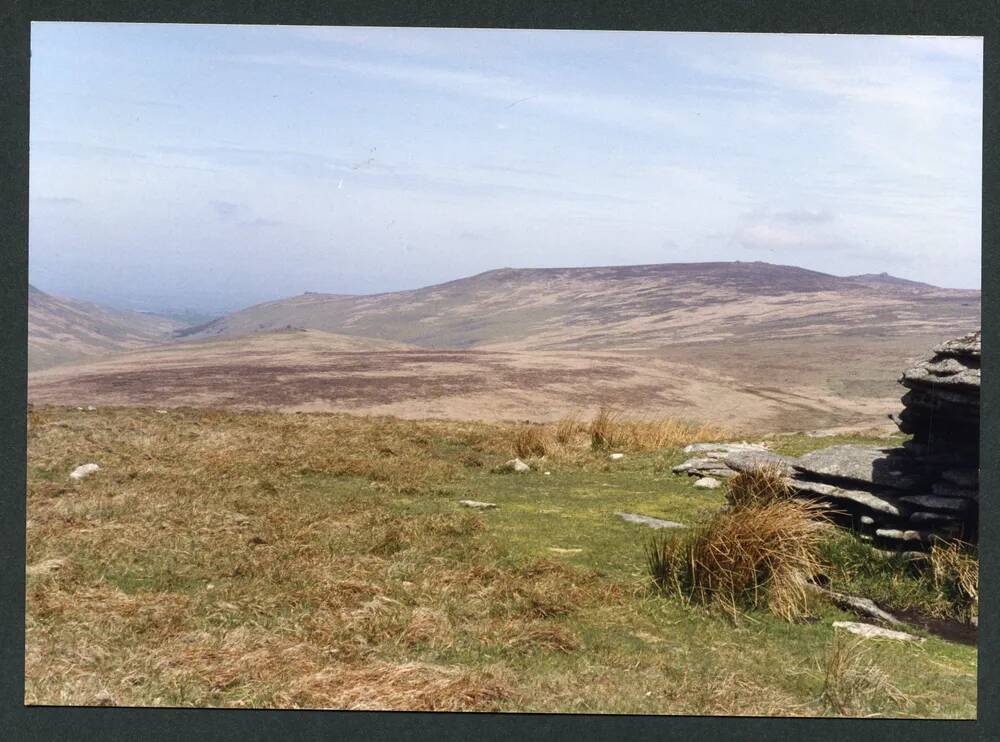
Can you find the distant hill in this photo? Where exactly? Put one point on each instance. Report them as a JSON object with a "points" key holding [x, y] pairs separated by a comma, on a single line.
{"points": [[640, 307], [61, 330]]}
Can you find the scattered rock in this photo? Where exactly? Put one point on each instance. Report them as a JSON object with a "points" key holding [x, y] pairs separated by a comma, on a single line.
{"points": [[83, 471], [516, 465], [103, 698], [477, 505], [161, 412], [870, 631], [707, 483], [648, 521], [896, 534], [91, 408], [855, 603], [548, 474], [616, 456]]}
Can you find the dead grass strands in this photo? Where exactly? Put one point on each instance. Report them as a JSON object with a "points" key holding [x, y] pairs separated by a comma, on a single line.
{"points": [[955, 571], [853, 684]]}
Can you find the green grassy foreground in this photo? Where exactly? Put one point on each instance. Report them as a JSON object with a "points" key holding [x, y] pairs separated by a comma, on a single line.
{"points": [[270, 560]]}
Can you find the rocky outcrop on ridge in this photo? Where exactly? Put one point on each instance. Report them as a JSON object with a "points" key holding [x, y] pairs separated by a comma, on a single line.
{"points": [[899, 497]]}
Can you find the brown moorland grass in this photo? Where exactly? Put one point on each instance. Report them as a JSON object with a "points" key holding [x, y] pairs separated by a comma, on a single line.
{"points": [[262, 560]]}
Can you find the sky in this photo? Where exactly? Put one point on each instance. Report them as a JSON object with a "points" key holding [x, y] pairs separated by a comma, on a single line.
{"points": [[209, 168]]}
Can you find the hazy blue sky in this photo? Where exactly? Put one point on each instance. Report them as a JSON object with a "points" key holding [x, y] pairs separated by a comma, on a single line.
{"points": [[213, 167]]}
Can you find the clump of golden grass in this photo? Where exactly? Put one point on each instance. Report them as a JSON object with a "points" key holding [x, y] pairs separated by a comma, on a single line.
{"points": [[611, 430], [567, 429], [530, 440], [955, 572], [755, 555], [759, 484], [853, 684]]}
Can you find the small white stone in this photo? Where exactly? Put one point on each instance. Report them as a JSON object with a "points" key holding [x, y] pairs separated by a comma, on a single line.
{"points": [[82, 471], [91, 408], [517, 465], [548, 474], [707, 483], [477, 505], [616, 456]]}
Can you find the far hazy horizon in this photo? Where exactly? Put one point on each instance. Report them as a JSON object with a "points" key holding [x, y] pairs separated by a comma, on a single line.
{"points": [[210, 168]]}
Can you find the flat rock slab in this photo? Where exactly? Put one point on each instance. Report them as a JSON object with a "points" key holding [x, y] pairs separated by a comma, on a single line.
{"points": [[648, 521], [741, 461], [870, 631], [477, 505], [708, 483], [887, 467], [725, 448], [934, 502], [946, 489], [968, 478], [922, 516], [970, 345], [879, 503]]}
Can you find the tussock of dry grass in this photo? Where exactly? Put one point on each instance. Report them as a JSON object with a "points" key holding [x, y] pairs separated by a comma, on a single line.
{"points": [[610, 430], [955, 572], [755, 555], [530, 440], [758, 485], [567, 429], [853, 684]]}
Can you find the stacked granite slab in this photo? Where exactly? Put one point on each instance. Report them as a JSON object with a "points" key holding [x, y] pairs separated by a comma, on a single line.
{"points": [[941, 406], [899, 497]]}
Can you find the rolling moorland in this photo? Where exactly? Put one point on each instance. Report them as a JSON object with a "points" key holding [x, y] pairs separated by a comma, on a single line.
{"points": [[739, 344], [245, 543]]}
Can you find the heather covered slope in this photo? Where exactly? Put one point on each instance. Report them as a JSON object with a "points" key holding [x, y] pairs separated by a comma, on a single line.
{"points": [[638, 308], [62, 330]]}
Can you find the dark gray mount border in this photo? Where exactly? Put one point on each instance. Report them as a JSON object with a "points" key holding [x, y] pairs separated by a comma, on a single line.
{"points": [[930, 17]]}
